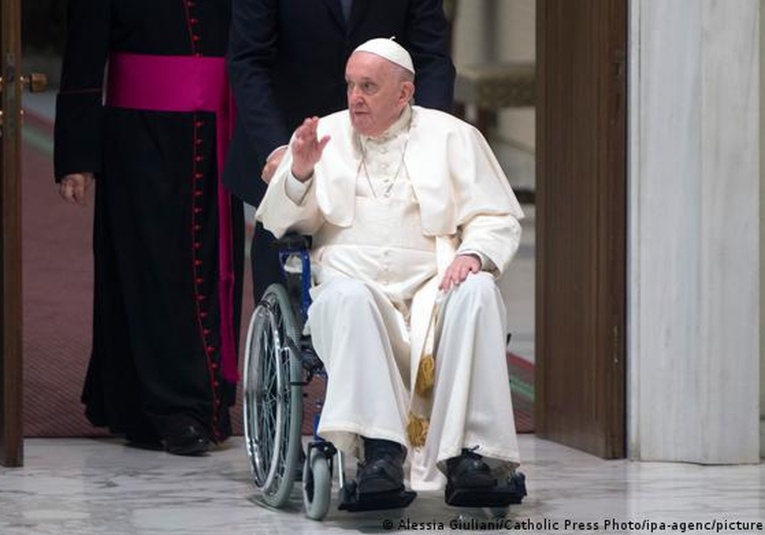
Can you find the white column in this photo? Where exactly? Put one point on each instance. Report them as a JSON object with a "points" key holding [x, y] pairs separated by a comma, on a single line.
{"points": [[515, 40], [471, 44], [694, 295]]}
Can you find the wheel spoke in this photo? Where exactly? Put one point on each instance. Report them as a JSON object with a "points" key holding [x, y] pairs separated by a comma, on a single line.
{"points": [[273, 404]]}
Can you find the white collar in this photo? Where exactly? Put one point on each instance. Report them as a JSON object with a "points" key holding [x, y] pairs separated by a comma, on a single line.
{"points": [[399, 126]]}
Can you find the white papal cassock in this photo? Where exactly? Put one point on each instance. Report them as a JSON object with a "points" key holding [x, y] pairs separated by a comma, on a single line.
{"points": [[388, 214]]}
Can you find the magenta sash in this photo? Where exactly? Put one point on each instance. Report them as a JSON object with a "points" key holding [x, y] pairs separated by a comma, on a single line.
{"points": [[188, 84]]}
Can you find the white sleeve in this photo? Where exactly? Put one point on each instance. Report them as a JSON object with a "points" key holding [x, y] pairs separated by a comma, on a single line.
{"points": [[295, 189]]}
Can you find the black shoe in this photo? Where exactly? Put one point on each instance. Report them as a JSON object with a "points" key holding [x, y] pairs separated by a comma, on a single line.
{"points": [[469, 483], [189, 439], [143, 439], [468, 471], [383, 467], [151, 445]]}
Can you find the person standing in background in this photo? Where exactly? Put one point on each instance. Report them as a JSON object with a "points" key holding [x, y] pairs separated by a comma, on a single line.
{"points": [[168, 237], [287, 61]]}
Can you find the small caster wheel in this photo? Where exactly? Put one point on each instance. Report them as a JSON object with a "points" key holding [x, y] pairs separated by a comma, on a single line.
{"points": [[317, 485]]}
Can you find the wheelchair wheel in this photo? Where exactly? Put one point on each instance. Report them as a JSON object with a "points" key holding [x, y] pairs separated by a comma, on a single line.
{"points": [[272, 396], [317, 485]]}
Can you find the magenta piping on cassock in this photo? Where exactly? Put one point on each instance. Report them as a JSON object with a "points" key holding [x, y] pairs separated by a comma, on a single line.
{"points": [[188, 84]]}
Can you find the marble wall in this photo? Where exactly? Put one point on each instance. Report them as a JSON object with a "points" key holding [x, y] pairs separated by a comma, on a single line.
{"points": [[762, 229], [694, 297]]}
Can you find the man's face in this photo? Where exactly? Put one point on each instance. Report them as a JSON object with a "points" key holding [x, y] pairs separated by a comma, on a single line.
{"points": [[377, 93]]}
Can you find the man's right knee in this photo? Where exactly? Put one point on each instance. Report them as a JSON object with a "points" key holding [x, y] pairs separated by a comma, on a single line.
{"points": [[344, 293]]}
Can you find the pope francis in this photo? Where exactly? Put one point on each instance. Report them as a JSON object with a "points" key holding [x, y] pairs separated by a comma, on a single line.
{"points": [[412, 220]]}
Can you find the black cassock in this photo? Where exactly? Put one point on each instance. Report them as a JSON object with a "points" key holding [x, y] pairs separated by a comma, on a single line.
{"points": [[160, 316]]}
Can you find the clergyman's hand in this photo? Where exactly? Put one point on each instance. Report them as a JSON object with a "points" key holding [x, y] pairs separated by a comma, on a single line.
{"points": [[307, 149], [459, 269], [73, 188], [272, 163]]}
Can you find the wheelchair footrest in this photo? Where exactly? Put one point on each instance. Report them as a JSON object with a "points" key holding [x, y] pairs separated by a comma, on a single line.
{"points": [[502, 495], [352, 501]]}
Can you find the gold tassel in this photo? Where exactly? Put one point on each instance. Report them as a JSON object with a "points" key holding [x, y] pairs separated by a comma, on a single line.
{"points": [[426, 376], [417, 430]]}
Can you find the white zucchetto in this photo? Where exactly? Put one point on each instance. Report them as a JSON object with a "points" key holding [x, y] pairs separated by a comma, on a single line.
{"points": [[388, 49]]}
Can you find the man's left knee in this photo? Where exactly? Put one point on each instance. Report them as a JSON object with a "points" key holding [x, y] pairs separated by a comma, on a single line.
{"points": [[479, 285]]}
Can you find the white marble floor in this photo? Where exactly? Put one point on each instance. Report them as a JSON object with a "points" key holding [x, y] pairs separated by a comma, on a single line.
{"points": [[82, 486]]}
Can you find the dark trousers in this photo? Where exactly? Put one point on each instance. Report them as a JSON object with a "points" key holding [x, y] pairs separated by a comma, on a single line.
{"points": [[264, 256]]}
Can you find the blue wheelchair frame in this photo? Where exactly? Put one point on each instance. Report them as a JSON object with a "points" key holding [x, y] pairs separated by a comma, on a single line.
{"points": [[290, 246]]}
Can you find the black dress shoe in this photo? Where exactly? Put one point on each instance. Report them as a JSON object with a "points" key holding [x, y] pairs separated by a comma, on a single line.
{"points": [[189, 439], [470, 483], [151, 445], [468, 471], [383, 467], [143, 439]]}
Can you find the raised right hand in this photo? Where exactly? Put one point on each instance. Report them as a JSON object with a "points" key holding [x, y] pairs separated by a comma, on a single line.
{"points": [[306, 149]]}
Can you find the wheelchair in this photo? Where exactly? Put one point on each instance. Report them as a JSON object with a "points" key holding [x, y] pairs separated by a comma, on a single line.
{"points": [[279, 362]]}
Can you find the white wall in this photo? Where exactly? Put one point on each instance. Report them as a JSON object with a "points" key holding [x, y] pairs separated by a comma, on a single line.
{"points": [[515, 40], [694, 294], [499, 30], [471, 44]]}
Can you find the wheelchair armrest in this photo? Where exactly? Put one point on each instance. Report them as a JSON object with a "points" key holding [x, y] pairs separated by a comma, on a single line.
{"points": [[292, 241], [295, 260]]}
